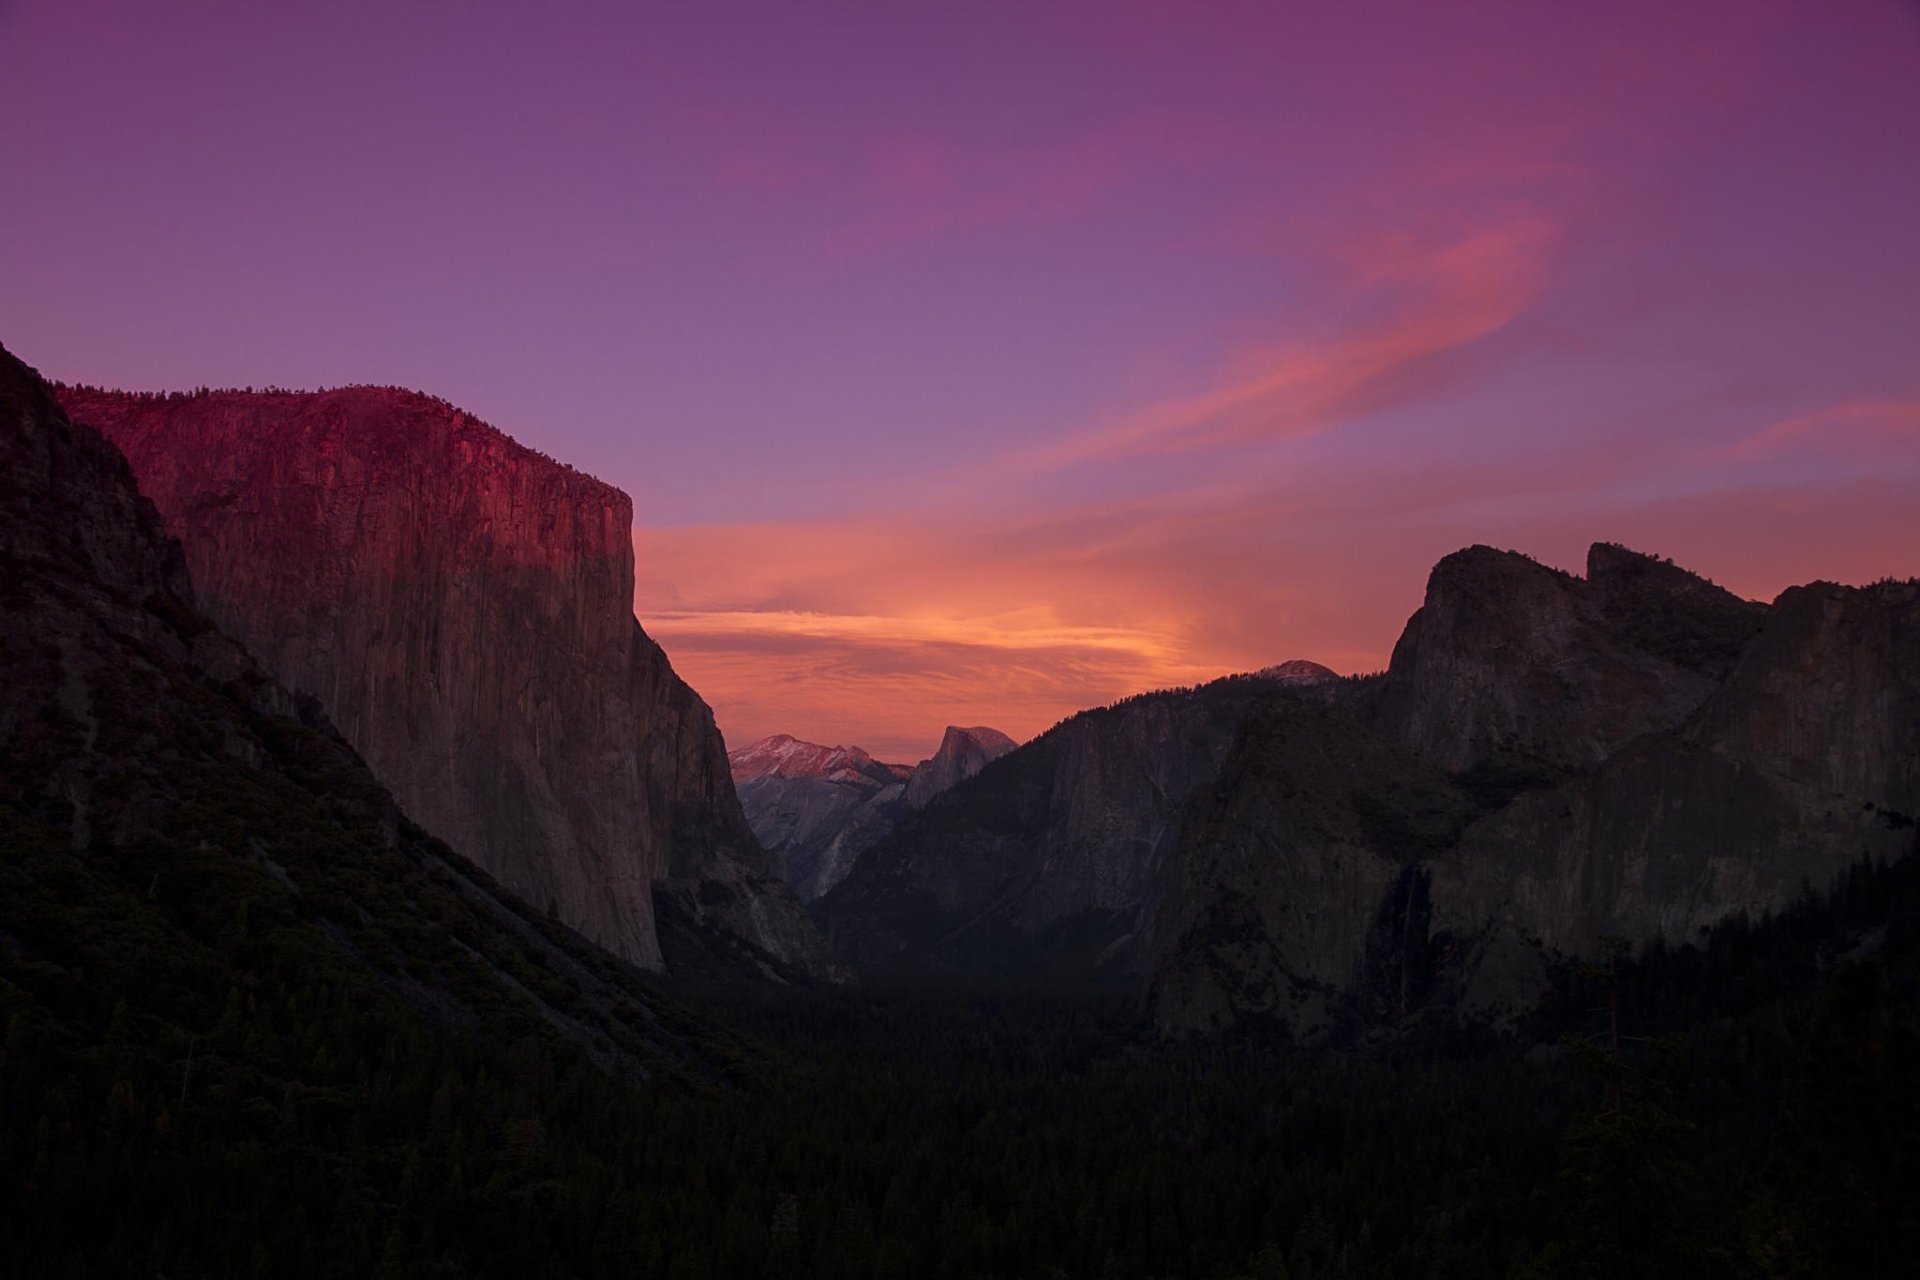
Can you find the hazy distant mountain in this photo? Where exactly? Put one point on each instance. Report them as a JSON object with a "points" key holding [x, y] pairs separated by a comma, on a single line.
{"points": [[817, 808], [1299, 672], [462, 607]]}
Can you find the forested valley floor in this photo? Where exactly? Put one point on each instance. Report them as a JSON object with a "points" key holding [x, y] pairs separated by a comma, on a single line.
{"points": [[1755, 1116]]}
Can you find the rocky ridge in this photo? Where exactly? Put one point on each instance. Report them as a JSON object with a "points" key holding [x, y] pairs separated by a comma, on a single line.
{"points": [[816, 808], [1549, 761]]}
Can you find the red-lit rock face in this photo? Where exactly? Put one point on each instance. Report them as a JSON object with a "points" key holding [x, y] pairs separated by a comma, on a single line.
{"points": [[462, 607]]}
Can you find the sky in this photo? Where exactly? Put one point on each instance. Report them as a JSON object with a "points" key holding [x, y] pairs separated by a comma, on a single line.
{"points": [[976, 363]]}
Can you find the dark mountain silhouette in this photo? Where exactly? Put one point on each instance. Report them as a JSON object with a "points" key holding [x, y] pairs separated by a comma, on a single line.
{"points": [[1549, 761], [1049, 859]]}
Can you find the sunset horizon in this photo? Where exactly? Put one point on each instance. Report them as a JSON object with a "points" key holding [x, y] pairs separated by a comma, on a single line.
{"points": [[1186, 350]]}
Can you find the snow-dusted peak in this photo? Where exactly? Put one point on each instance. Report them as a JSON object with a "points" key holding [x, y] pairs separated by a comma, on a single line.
{"points": [[1298, 671], [785, 756]]}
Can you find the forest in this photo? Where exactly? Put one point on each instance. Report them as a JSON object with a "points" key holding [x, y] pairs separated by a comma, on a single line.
{"points": [[1743, 1107]]}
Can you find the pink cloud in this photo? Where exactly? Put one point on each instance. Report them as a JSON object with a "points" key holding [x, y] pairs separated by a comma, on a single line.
{"points": [[1858, 422], [1428, 300], [882, 628]]}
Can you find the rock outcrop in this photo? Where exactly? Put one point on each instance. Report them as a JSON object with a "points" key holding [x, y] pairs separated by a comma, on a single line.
{"points": [[1300, 673], [1515, 666], [962, 753], [816, 808], [462, 607]]}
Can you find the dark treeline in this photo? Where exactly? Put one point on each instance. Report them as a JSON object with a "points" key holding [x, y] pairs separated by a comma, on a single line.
{"points": [[1755, 1116]]}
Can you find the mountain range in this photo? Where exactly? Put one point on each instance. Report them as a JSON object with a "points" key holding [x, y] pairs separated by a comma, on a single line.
{"points": [[252, 1003], [816, 809], [1548, 762]]}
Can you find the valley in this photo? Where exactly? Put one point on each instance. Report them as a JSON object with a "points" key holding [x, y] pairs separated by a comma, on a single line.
{"points": [[1289, 973]]}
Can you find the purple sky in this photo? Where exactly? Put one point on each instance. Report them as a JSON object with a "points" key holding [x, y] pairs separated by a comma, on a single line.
{"points": [[974, 363]]}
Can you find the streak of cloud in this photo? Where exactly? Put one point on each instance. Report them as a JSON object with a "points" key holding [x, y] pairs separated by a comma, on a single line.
{"points": [[1857, 423], [1430, 300]]}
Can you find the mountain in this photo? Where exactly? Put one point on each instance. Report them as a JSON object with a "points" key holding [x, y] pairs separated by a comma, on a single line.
{"points": [[1549, 762], [818, 808], [462, 608], [1299, 672], [1047, 861], [784, 756], [962, 753], [227, 957], [1512, 666]]}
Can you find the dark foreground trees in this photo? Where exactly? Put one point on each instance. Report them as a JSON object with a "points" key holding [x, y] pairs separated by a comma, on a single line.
{"points": [[312, 1127]]}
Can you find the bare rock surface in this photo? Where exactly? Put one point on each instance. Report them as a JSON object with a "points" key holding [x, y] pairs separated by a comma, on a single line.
{"points": [[816, 808], [962, 753], [462, 607]]}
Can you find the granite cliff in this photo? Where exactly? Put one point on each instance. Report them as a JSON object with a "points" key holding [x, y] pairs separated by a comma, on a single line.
{"points": [[180, 830], [1550, 761], [462, 607], [1512, 666], [962, 753]]}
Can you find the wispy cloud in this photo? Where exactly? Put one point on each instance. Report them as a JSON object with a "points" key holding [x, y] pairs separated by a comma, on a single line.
{"points": [[1425, 300], [1855, 423], [879, 629]]}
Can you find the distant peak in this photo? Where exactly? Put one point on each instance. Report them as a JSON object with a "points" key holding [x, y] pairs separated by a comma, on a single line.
{"points": [[1298, 671], [784, 756], [958, 737], [964, 751]]}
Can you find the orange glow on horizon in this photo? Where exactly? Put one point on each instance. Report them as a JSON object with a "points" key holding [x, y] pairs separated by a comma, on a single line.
{"points": [[926, 622]]}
